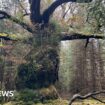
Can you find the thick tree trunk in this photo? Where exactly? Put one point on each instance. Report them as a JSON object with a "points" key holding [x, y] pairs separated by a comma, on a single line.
{"points": [[35, 16]]}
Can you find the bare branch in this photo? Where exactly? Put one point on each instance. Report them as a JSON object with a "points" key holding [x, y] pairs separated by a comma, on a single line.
{"points": [[49, 11], [14, 19], [89, 95], [97, 99], [64, 15], [26, 13], [22, 6], [76, 36]]}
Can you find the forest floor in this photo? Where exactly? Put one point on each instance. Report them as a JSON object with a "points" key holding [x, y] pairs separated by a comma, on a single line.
{"points": [[65, 102]]}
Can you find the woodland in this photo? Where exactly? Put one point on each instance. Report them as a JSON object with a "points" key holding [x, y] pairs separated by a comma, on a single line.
{"points": [[52, 52]]}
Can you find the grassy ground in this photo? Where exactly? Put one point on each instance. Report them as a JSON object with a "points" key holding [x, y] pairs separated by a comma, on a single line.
{"points": [[65, 102]]}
